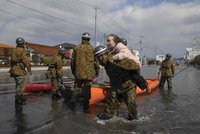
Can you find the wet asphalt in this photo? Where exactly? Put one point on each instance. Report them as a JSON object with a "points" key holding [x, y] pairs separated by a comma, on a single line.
{"points": [[161, 112]]}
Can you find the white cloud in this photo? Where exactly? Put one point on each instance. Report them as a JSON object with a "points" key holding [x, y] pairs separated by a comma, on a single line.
{"points": [[171, 27]]}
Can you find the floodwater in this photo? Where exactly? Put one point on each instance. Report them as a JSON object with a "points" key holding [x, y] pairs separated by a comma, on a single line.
{"points": [[161, 112]]}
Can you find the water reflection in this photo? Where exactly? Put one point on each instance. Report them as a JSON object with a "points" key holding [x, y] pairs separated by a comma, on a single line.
{"points": [[20, 120], [168, 99]]}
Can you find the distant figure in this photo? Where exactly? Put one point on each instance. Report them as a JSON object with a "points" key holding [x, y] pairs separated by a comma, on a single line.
{"points": [[84, 71], [167, 72], [120, 52], [121, 85], [56, 72], [46, 60], [19, 63]]}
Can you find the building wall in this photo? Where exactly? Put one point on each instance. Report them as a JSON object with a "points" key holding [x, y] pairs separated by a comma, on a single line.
{"points": [[191, 53], [160, 58]]}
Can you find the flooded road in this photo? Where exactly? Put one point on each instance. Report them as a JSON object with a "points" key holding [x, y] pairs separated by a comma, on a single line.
{"points": [[161, 112]]}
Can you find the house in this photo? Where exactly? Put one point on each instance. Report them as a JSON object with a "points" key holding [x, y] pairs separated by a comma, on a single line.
{"points": [[191, 53], [68, 47], [5, 52], [37, 51], [160, 58]]}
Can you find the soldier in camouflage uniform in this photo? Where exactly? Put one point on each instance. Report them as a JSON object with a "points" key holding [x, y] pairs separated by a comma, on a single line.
{"points": [[19, 63], [56, 73], [120, 51], [122, 86], [167, 72], [84, 71]]}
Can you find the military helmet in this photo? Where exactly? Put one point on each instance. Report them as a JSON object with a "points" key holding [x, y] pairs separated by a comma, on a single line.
{"points": [[86, 36], [100, 50], [168, 55], [124, 41], [20, 41], [61, 51]]}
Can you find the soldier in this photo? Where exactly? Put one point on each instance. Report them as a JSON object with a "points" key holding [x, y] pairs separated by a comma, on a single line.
{"points": [[167, 72], [19, 63], [124, 41], [84, 71], [121, 85], [120, 51], [56, 73]]}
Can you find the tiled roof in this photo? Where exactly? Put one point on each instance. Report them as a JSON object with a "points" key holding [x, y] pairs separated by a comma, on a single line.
{"points": [[5, 46], [66, 45], [44, 49]]}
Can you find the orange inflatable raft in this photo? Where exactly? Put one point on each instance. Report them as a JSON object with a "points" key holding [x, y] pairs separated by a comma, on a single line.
{"points": [[98, 91]]}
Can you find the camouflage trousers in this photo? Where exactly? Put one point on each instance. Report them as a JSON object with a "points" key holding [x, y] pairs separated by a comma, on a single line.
{"points": [[20, 84], [55, 84], [82, 88], [162, 82], [113, 103]]}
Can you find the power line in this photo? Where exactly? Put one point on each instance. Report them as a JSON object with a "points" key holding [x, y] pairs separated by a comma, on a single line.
{"points": [[48, 14], [85, 3], [35, 21]]}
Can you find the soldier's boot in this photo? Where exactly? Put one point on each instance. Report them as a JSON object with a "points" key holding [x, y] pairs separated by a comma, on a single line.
{"points": [[133, 113], [19, 100], [23, 99], [86, 106], [56, 96], [161, 86], [131, 117], [170, 87], [104, 116], [74, 97]]}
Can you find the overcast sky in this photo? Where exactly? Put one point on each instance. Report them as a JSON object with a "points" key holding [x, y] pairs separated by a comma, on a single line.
{"points": [[161, 25]]}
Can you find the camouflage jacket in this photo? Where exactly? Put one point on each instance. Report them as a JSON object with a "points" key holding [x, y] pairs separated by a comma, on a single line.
{"points": [[46, 60], [119, 76], [19, 62], [128, 64], [83, 63], [167, 68], [55, 67]]}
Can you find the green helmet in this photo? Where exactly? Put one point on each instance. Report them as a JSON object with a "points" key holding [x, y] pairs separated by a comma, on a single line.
{"points": [[86, 36], [168, 55], [20, 41], [124, 41], [100, 50], [61, 51]]}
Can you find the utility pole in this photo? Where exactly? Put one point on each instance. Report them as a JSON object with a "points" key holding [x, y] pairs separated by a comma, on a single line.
{"points": [[95, 29], [104, 39], [155, 52], [141, 49]]}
